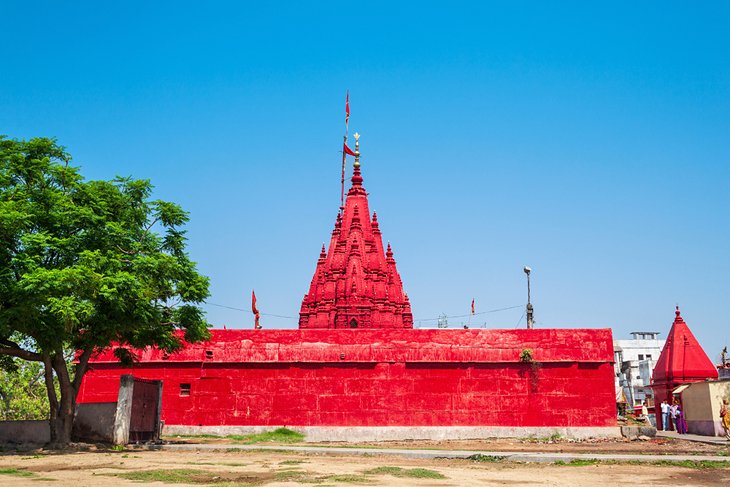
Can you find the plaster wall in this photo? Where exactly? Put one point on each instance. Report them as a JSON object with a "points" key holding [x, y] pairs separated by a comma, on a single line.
{"points": [[383, 378], [701, 402], [24, 433]]}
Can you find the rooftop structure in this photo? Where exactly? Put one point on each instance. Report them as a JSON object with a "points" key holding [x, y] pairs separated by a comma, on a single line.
{"points": [[634, 362]]}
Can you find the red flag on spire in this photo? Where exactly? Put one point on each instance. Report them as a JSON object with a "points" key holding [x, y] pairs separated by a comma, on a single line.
{"points": [[255, 311], [472, 305], [347, 150], [347, 108]]}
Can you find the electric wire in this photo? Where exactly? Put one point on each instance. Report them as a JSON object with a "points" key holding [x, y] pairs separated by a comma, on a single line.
{"points": [[415, 320]]}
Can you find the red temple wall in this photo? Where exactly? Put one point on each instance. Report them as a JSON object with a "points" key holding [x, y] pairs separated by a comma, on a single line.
{"points": [[379, 378]]}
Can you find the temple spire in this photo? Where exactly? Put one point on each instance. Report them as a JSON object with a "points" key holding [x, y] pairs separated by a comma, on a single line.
{"points": [[356, 283]]}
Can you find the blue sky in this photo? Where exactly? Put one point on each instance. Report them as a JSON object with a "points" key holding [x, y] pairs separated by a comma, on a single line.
{"points": [[587, 141]]}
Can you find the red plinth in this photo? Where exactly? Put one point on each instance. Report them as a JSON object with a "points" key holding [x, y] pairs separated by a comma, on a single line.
{"points": [[378, 378]]}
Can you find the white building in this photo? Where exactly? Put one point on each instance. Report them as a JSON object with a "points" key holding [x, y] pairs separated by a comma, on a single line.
{"points": [[634, 365]]}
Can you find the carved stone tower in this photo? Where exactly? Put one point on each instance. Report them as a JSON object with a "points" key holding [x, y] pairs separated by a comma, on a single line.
{"points": [[356, 283]]}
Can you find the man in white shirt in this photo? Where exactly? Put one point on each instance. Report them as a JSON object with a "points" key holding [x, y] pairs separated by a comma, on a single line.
{"points": [[665, 416]]}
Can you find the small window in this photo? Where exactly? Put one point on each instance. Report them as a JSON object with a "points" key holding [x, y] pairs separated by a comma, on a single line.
{"points": [[184, 390], [353, 323], [641, 356], [648, 357], [209, 354]]}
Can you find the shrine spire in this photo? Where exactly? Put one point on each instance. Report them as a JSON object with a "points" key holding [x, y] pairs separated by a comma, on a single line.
{"points": [[356, 283]]}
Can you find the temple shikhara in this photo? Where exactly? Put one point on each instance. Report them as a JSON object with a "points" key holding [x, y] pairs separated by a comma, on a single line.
{"points": [[357, 367], [356, 283], [682, 361]]}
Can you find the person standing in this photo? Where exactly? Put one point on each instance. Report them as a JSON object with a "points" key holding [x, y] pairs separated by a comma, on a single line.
{"points": [[679, 421], [725, 417], [665, 415], [645, 413], [673, 414]]}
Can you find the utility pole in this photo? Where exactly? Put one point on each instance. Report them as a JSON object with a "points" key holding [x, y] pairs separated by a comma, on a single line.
{"points": [[529, 310]]}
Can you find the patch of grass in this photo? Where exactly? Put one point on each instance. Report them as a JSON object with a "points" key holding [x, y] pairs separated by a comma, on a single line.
{"points": [[16, 472], [174, 476], [416, 473], [349, 479], [292, 462], [279, 435], [293, 476], [118, 448], [578, 462], [485, 458], [191, 476]]}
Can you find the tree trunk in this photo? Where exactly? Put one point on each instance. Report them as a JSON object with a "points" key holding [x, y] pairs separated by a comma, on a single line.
{"points": [[62, 415], [52, 398]]}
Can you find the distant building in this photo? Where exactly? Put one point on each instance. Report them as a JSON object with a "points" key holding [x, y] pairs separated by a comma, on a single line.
{"points": [[634, 363]]}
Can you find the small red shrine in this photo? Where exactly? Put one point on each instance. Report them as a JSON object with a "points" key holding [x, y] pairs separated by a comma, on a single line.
{"points": [[356, 284], [681, 361]]}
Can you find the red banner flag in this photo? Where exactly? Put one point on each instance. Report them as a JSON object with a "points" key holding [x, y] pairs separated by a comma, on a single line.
{"points": [[347, 150], [472, 305], [347, 108], [254, 310]]}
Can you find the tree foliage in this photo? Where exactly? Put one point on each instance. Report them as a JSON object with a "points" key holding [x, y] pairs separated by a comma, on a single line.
{"points": [[87, 264], [23, 393]]}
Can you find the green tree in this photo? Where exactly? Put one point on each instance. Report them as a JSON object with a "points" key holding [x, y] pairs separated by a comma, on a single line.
{"points": [[22, 390], [87, 265]]}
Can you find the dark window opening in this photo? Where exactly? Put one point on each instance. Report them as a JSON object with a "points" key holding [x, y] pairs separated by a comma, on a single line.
{"points": [[353, 323], [184, 390], [209, 354]]}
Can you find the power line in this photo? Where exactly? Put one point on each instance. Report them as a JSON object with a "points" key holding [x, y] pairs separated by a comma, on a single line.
{"points": [[415, 320]]}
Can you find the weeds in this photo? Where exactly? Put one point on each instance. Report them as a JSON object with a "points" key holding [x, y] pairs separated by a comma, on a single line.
{"points": [[416, 473], [485, 458], [15, 472]]}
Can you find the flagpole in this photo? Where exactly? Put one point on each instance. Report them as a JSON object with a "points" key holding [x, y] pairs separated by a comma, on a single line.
{"points": [[344, 154], [342, 193]]}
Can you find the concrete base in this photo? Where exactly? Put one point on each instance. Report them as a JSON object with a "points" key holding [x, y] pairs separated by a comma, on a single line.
{"points": [[632, 432], [315, 434], [24, 433], [705, 428], [95, 421]]}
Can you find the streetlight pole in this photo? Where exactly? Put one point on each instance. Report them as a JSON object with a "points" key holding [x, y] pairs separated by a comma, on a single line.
{"points": [[529, 310]]}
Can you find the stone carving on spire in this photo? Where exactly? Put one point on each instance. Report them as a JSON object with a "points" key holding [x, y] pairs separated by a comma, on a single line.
{"points": [[356, 284]]}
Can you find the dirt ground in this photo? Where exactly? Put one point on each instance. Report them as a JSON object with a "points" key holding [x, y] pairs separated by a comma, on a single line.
{"points": [[655, 446], [279, 469]]}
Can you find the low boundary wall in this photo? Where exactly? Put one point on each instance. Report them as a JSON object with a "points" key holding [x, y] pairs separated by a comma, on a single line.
{"points": [[317, 434]]}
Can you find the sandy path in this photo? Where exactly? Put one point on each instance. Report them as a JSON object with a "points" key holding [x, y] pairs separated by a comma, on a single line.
{"points": [[280, 469]]}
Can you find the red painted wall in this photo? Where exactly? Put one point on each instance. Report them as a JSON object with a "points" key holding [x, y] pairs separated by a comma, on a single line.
{"points": [[379, 378]]}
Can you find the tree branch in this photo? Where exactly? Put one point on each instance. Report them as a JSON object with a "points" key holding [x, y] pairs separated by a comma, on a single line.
{"points": [[11, 348], [81, 368]]}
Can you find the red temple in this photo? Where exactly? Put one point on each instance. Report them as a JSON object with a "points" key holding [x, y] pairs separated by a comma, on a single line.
{"points": [[356, 284], [682, 360], [375, 377]]}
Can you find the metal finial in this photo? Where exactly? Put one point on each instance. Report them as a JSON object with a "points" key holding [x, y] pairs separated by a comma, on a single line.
{"points": [[357, 150]]}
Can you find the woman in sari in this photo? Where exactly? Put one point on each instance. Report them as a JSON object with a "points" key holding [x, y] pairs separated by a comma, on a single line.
{"points": [[725, 417]]}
